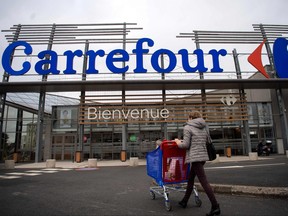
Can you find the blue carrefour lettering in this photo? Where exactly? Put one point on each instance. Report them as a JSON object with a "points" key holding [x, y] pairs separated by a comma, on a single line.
{"points": [[280, 53], [155, 61], [42, 66], [92, 60], [48, 59], [6, 63], [215, 58], [139, 51], [200, 61], [69, 62], [123, 56]]}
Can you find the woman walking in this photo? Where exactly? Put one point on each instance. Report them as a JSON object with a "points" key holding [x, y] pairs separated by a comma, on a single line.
{"points": [[194, 140]]}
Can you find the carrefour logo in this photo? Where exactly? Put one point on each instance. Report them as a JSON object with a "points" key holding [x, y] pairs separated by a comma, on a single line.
{"points": [[280, 53], [50, 58], [281, 57], [228, 100]]}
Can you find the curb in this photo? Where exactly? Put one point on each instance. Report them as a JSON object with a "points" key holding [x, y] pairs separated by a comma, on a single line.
{"points": [[275, 192]]}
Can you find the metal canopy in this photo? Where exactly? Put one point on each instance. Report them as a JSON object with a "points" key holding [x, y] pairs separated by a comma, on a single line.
{"points": [[142, 85], [271, 32], [71, 33]]}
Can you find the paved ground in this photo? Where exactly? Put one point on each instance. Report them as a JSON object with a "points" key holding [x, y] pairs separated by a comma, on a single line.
{"points": [[267, 177], [124, 190], [238, 170]]}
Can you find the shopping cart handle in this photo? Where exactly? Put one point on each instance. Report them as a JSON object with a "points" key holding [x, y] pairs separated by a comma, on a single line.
{"points": [[169, 143]]}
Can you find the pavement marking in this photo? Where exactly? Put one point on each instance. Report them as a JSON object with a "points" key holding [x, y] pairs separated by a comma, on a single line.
{"points": [[14, 175], [41, 171], [23, 174], [86, 169], [256, 165], [65, 169], [9, 177], [49, 171], [224, 167], [56, 169], [32, 174], [259, 165], [34, 171]]}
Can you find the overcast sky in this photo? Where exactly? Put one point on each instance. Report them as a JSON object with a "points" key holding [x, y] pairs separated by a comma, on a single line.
{"points": [[161, 20]]}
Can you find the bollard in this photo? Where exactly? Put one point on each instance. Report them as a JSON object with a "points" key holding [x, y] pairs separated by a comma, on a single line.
{"points": [[92, 163], [287, 153], [9, 164], [228, 151], [253, 155], [134, 161], [123, 155], [16, 157], [78, 156], [50, 163]]}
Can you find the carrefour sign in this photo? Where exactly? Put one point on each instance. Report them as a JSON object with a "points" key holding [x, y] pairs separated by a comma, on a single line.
{"points": [[120, 55], [280, 54], [117, 55], [280, 50]]}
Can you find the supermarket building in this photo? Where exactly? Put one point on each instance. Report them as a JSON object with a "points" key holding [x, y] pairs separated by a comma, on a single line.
{"points": [[127, 96]]}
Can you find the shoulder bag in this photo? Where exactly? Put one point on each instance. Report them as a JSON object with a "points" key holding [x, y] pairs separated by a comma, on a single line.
{"points": [[210, 148]]}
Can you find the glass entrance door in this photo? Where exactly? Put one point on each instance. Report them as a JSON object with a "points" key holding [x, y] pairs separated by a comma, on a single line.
{"points": [[64, 146]]}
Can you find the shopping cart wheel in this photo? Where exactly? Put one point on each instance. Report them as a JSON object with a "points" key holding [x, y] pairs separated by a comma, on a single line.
{"points": [[152, 194], [198, 201], [168, 206]]}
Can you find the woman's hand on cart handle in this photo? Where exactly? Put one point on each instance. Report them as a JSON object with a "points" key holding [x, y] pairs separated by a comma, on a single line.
{"points": [[178, 141]]}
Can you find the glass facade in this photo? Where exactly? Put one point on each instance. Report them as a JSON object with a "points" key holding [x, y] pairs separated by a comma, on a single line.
{"points": [[261, 123], [20, 128], [20, 123], [104, 141]]}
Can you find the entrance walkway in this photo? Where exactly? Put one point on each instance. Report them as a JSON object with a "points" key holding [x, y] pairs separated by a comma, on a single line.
{"points": [[107, 163]]}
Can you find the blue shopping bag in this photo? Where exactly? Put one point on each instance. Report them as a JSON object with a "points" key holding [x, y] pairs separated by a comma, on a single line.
{"points": [[154, 165]]}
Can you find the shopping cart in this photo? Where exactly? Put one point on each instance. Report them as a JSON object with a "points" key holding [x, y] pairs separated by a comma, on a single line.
{"points": [[166, 165]]}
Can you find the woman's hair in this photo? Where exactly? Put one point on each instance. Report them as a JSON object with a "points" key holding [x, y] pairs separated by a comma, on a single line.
{"points": [[194, 115]]}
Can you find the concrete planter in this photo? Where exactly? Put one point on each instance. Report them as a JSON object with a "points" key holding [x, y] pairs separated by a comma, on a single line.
{"points": [[50, 163], [134, 161], [92, 163], [253, 155], [9, 164]]}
